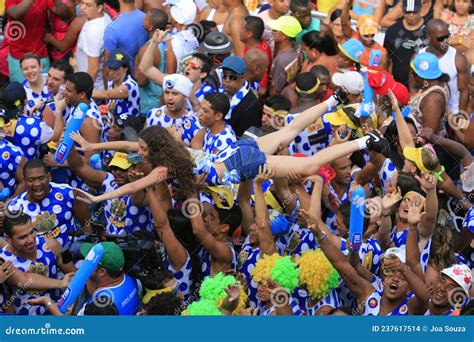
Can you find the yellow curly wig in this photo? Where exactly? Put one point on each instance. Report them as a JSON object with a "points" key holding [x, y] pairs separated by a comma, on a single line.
{"points": [[317, 274]]}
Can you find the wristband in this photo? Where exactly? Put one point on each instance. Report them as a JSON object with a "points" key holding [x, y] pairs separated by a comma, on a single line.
{"points": [[331, 102], [324, 237]]}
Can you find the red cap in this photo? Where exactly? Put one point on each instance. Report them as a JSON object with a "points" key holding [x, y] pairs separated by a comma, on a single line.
{"points": [[380, 81], [401, 93]]}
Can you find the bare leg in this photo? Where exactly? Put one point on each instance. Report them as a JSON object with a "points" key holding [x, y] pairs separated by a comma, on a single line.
{"points": [[308, 166], [269, 143]]}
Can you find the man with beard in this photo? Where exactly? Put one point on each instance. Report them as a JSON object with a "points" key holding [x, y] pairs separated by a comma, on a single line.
{"points": [[123, 215], [51, 206], [176, 114]]}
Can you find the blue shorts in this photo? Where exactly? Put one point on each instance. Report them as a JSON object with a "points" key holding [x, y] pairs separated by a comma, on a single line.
{"points": [[246, 160]]}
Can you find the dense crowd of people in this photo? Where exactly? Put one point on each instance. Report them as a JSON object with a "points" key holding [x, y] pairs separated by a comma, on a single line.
{"points": [[238, 141]]}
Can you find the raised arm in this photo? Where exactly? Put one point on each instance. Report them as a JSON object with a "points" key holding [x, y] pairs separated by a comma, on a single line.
{"points": [[415, 216], [359, 287], [428, 224], [404, 134], [93, 178], [243, 199], [267, 244], [219, 250], [391, 198], [177, 254], [146, 66]]}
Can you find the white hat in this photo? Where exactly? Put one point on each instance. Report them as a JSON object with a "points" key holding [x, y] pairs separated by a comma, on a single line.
{"points": [[351, 81], [461, 274], [179, 83], [399, 252], [183, 11]]}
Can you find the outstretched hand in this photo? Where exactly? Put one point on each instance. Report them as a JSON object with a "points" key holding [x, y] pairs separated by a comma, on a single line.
{"points": [[391, 198], [264, 174], [83, 196], [416, 211], [85, 146]]}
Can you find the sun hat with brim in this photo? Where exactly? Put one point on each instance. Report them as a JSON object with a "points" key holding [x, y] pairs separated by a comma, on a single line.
{"points": [[288, 25], [367, 25], [339, 118], [216, 43], [113, 259], [120, 160], [415, 154], [352, 49], [426, 65], [461, 274]]}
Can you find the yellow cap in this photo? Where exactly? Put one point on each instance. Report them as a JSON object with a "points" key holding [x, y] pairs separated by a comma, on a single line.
{"points": [[415, 155], [120, 160], [339, 118], [288, 25]]}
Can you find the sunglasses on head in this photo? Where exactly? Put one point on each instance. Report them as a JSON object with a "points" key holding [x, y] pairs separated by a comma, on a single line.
{"points": [[443, 38], [193, 66], [231, 77]]}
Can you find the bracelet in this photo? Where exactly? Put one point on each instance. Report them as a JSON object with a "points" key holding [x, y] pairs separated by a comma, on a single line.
{"points": [[324, 237], [49, 303], [439, 173]]}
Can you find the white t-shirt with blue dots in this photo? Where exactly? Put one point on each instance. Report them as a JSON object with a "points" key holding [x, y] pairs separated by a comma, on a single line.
{"points": [[215, 143], [188, 122], [45, 264], [10, 158], [129, 105], [312, 139], [33, 98]]}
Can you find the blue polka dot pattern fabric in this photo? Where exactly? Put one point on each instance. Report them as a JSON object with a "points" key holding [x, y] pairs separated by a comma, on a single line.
{"points": [[53, 216], [129, 105], [45, 265], [469, 220], [205, 89], [206, 260], [27, 135], [215, 143], [331, 218], [33, 98], [400, 239], [122, 217], [235, 100], [386, 173], [372, 305], [247, 260], [184, 277], [312, 139], [9, 163], [331, 300], [188, 122]]}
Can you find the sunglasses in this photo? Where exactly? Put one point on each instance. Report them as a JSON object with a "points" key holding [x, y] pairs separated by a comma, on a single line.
{"points": [[231, 77], [193, 66], [368, 35], [443, 38]]}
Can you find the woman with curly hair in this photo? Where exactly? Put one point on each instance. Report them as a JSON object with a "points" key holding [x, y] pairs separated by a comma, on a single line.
{"points": [[239, 162]]}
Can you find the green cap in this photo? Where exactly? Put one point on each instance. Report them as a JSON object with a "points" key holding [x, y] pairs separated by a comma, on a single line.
{"points": [[113, 259]]}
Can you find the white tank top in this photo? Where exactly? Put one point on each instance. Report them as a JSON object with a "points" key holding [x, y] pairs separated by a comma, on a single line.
{"points": [[447, 64]]}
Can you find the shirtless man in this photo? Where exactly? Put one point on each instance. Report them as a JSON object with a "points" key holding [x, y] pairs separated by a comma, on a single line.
{"points": [[232, 25]]}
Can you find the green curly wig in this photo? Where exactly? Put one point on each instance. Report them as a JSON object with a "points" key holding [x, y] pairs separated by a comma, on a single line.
{"points": [[204, 307], [213, 288], [281, 270], [317, 274]]}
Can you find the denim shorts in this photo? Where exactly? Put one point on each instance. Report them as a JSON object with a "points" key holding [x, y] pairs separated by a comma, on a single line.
{"points": [[246, 160]]}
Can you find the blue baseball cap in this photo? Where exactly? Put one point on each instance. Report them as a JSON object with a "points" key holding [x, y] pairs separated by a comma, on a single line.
{"points": [[236, 64], [353, 49], [426, 65], [118, 58]]}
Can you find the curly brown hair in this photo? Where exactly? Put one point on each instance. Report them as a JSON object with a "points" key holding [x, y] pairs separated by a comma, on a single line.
{"points": [[166, 151]]}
